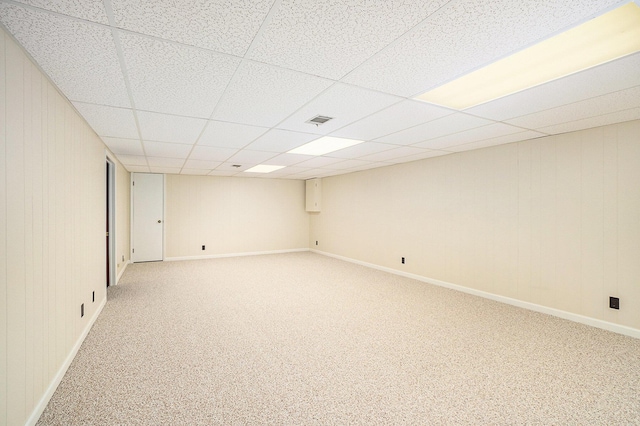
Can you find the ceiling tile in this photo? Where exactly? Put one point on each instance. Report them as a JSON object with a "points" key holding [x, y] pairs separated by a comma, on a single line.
{"points": [[164, 149], [397, 117], [175, 79], [319, 162], [90, 10], [344, 103], [251, 157], [264, 95], [601, 120], [348, 164], [467, 136], [485, 30], [195, 171], [610, 77], [201, 164], [276, 140], [288, 171], [348, 33], [229, 135], [422, 156], [222, 173], [447, 125], [220, 25], [167, 170], [132, 160], [231, 167], [287, 159], [169, 128], [124, 146], [515, 137], [361, 149], [209, 153], [90, 70], [109, 121], [368, 166], [137, 169], [391, 155], [165, 162], [601, 105]]}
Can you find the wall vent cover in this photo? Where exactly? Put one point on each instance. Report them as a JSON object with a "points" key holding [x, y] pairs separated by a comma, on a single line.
{"points": [[319, 119]]}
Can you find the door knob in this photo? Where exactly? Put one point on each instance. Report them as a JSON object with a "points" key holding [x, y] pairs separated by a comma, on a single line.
{"points": [[159, 221]]}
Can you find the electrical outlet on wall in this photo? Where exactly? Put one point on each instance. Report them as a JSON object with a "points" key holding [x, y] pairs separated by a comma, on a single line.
{"points": [[614, 302]]}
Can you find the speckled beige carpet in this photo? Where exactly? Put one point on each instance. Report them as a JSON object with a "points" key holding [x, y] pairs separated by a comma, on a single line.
{"points": [[303, 339]]}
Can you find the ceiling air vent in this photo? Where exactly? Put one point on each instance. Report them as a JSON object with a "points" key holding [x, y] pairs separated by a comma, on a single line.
{"points": [[319, 119]]}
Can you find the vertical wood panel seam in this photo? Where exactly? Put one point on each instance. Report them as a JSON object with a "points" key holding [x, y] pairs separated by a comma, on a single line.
{"points": [[6, 224]]}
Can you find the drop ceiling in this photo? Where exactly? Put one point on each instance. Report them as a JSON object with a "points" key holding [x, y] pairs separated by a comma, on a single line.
{"points": [[198, 87]]}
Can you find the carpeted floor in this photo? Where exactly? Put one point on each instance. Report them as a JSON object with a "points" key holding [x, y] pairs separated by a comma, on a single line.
{"points": [[303, 339]]}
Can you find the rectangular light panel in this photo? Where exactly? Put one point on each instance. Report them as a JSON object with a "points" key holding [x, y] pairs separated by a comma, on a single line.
{"points": [[324, 145], [605, 38], [263, 168]]}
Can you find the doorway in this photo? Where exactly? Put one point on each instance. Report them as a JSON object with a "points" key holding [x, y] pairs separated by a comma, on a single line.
{"points": [[110, 265]]}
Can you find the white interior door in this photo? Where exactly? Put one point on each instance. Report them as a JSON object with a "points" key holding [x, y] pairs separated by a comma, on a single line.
{"points": [[148, 218]]}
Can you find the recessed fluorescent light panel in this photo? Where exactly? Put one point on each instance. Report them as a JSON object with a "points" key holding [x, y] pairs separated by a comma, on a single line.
{"points": [[324, 145], [605, 38], [263, 168]]}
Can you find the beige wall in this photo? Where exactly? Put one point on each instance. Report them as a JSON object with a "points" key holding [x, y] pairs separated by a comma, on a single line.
{"points": [[233, 215], [52, 223], [553, 221]]}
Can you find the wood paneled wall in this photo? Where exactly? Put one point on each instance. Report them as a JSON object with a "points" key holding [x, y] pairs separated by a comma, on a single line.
{"points": [[52, 232], [553, 221]]}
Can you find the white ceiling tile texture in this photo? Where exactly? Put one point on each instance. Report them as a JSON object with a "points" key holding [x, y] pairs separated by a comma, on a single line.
{"points": [[169, 128], [80, 58], [263, 95], [329, 38], [90, 10], [499, 140], [607, 78], [124, 146], [444, 126], [230, 135], [468, 136], [198, 87], [400, 116], [344, 103], [277, 140], [464, 36], [601, 105], [109, 121], [166, 77], [227, 26], [587, 123], [167, 150]]}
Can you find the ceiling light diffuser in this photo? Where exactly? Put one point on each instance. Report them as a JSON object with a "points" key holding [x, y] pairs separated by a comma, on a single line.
{"points": [[605, 38], [324, 145], [263, 168]]}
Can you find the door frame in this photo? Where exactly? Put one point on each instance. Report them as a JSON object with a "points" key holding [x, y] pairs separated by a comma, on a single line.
{"points": [[110, 210]]}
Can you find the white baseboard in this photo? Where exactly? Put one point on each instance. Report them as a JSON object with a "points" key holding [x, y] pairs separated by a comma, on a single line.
{"points": [[249, 253], [42, 404], [122, 271], [605, 325]]}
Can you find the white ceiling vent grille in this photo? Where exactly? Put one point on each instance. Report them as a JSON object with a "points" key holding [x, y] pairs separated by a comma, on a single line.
{"points": [[319, 119]]}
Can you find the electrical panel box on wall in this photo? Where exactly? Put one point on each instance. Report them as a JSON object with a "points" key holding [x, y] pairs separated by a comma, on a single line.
{"points": [[314, 195]]}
